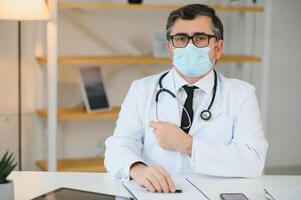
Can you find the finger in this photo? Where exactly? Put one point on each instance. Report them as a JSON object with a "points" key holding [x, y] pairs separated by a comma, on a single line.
{"points": [[153, 180], [153, 124], [163, 182], [170, 182], [147, 184]]}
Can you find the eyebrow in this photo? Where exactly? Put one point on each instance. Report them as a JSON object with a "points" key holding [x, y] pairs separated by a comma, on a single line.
{"points": [[194, 33]]}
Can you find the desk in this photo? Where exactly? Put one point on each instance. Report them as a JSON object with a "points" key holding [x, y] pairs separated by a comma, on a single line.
{"points": [[31, 184]]}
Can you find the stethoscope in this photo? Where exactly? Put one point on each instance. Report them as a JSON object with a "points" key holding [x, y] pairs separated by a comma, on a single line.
{"points": [[205, 114]]}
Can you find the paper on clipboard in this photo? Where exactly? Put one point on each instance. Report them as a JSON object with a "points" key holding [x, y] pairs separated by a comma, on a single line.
{"points": [[291, 192], [189, 191]]}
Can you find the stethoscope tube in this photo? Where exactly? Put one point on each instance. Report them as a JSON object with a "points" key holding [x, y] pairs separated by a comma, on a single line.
{"points": [[205, 114]]}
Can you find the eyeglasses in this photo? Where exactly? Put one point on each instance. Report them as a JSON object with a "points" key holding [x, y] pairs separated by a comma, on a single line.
{"points": [[199, 40]]}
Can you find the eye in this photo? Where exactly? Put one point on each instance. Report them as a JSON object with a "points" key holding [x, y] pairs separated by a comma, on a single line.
{"points": [[180, 38], [200, 38]]}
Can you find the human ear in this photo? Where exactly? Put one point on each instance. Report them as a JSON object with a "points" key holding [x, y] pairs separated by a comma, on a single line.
{"points": [[219, 48], [169, 48]]}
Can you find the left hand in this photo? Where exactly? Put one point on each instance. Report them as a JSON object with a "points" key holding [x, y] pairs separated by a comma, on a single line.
{"points": [[170, 137]]}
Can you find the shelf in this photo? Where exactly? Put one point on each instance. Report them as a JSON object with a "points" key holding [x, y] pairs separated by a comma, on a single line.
{"points": [[65, 114], [76, 165], [92, 60], [71, 60], [240, 59], [122, 6]]}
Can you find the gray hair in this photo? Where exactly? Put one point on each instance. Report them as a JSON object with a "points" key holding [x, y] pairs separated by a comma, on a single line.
{"points": [[190, 12]]}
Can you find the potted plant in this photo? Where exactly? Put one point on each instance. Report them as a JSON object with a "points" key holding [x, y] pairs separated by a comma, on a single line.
{"points": [[7, 165]]}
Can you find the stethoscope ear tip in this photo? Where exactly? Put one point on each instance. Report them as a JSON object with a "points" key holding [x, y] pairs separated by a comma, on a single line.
{"points": [[206, 115]]}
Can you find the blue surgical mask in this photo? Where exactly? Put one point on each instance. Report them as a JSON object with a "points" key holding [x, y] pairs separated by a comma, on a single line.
{"points": [[191, 60]]}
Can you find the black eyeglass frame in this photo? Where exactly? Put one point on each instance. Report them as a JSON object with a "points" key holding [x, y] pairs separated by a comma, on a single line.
{"points": [[191, 38]]}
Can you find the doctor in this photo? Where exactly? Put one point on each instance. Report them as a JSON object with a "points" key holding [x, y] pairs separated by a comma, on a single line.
{"points": [[189, 119]]}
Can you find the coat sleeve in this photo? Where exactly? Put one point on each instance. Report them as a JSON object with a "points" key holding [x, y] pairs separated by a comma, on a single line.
{"points": [[244, 156], [125, 146]]}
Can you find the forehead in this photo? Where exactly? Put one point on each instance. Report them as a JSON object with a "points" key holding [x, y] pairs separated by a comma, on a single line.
{"points": [[199, 24]]}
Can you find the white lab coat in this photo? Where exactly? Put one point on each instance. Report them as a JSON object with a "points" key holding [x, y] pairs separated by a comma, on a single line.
{"points": [[230, 144]]}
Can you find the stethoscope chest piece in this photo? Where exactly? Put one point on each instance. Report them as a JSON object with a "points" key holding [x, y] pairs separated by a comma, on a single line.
{"points": [[205, 115]]}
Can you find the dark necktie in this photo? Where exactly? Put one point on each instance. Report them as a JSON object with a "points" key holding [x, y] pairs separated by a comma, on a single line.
{"points": [[188, 106]]}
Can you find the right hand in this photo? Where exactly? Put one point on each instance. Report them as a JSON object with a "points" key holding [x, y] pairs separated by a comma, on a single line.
{"points": [[155, 178]]}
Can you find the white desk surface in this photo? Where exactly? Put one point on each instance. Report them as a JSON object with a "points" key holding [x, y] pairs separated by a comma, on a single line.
{"points": [[28, 185]]}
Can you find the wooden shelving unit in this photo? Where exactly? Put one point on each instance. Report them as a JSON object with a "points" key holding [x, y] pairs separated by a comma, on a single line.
{"points": [[123, 6], [65, 114], [79, 60], [76, 165]]}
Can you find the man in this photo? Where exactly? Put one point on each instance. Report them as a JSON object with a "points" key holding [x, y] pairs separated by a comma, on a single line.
{"points": [[190, 119]]}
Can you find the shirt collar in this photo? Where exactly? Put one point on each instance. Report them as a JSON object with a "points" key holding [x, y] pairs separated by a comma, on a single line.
{"points": [[205, 84]]}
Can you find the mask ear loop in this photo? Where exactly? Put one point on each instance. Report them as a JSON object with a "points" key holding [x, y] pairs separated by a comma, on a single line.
{"points": [[215, 46]]}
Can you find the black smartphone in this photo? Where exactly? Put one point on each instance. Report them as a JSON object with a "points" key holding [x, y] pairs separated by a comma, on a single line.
{"points": [[233, 196]]}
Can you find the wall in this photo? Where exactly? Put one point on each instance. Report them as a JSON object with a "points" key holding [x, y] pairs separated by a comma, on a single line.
{"points": [[9, 89], [284, 116], [8, 99], [99, 32]]}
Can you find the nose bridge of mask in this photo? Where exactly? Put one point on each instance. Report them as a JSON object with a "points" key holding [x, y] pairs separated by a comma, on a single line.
{"points": [[190, 55], [191, 49]]}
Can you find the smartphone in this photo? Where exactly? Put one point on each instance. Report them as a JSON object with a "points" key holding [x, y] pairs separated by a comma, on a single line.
{"points": [[233, 196]]}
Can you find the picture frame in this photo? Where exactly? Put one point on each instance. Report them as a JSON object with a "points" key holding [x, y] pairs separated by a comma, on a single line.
{"points": [[93, 89]]}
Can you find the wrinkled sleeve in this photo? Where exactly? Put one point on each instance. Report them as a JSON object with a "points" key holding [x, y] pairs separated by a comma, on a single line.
{"points": [[125, 146], [244, 156]]}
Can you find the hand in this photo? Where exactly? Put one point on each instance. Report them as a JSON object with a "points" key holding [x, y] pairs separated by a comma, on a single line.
{"points": [[154, 178], [171, 137]]}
